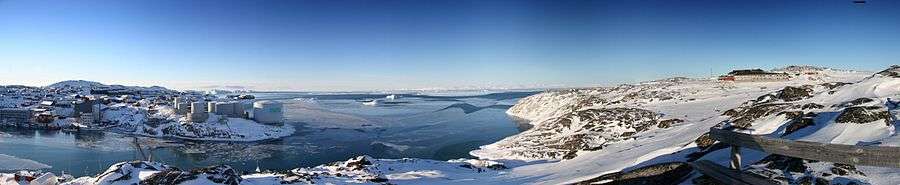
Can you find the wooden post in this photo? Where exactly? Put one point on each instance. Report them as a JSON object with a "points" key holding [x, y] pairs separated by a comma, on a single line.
{"points": [[735, 157]]}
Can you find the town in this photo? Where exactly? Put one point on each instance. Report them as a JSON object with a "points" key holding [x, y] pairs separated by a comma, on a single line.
{"points": [[91, 106]]}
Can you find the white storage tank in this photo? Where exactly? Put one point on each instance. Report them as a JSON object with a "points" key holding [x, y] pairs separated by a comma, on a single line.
{"points": [[198, 107], [225, 108], [268, 112], [211, 107]]}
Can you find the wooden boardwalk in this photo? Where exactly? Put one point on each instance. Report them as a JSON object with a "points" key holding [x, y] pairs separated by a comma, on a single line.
{"points": [[882, 156]]}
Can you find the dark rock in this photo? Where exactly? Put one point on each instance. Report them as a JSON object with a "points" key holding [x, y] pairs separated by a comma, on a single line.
{"points": [[811, 106], [791, 93], [747, 116], [358, 163], [497, 167], [663, 173], [218, 174], [777, 166], [893, 71], [706, 180], [704, 141], [781, 162], [864, 114], [833, 85], [808, 119], [668, 123], [810, 180]]}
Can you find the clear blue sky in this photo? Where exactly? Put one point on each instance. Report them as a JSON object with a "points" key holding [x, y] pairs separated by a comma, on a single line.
{"points": [[363, 45]]}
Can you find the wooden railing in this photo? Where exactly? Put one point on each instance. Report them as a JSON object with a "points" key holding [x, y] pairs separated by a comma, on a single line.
{"points": [[882, 156]]}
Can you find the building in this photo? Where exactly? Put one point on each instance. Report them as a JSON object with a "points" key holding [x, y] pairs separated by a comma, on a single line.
{"points": [[16, 115], [211, 107], [85, 105], [268, 112], [754, 75]]}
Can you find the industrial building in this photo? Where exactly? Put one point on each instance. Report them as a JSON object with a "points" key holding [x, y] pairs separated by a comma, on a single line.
{"points": [[16, 115], [754, 75]]}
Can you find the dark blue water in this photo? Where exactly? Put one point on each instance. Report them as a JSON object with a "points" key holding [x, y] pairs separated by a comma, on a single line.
{"points": [[420, 126]]}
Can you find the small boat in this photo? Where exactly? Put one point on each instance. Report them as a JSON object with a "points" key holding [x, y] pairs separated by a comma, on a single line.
{"points": [[83, 127]]}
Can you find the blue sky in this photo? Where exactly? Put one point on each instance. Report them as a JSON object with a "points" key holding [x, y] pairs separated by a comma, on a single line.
{"points": [[367, 45]]}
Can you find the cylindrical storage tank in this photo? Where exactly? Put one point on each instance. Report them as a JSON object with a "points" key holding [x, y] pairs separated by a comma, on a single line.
{"points": [[268, 112], [198, 107], [211, 107], [224, 108], [177, 102]]}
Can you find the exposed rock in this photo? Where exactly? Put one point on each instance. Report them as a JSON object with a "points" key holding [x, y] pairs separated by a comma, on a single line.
{"points": [[893, 71], [855, 102], [791, 93], [128, 171], [704, 141], [833, 85], [806, 120], [217, 174], [668, 123], [588, 129], [662, 174], [864, 114], [743, 118], [811, 106], [791, 170]]}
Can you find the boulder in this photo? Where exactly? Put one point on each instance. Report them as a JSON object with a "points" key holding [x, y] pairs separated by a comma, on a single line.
{"points": [[864, 114]]}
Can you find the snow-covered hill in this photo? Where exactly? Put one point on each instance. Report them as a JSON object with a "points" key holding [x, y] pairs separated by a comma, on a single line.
{"points": [[84, 87]]}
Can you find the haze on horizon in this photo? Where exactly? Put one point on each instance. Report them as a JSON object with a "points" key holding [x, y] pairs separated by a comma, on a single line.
{"points": [[378, 45]]}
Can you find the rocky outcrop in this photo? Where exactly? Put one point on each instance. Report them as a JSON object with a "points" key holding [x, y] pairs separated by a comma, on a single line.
{"points": [[864, 114], [563, 137], [798, 123], [893, 71], [791, 170], [657, 174], [216, 175], [791, 93], [744, 117], [127, 172], [855, 102], [771, 104]]}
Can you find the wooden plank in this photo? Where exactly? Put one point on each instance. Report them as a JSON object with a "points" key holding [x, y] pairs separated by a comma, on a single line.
{"points": [[729, 176], [882, 156], [735, 157]]}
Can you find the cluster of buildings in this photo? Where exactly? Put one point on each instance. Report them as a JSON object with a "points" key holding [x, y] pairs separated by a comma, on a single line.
{"points": [[266, 112], [41, 107], [81, 105], [754, 75]]}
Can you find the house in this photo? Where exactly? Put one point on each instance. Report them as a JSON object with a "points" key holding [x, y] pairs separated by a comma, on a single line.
{"points": [[754, 75]]}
